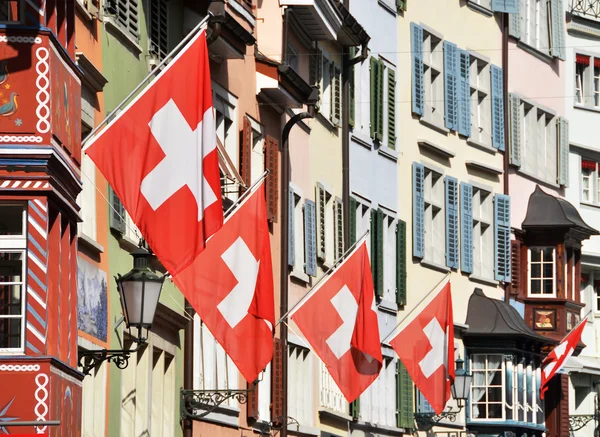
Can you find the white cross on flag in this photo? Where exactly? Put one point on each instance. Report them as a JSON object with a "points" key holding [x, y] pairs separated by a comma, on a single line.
{"points": [[426, 348], [559, 355], [159, 155]]}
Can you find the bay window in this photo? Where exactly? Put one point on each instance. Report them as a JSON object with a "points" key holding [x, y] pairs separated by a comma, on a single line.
{"points": [[541, 272], [487, 391]]}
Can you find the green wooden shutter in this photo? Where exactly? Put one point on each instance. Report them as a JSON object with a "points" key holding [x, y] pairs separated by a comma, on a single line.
{"points": [[401, 263], [374, 250], [404, 393], [117, 212], [380, 80], [353, 207], [391, 109], [401, 5], [355, 409], [562, 125], [373, 67], [351, 90], [338, 224], [378, 280], [376, 73]]}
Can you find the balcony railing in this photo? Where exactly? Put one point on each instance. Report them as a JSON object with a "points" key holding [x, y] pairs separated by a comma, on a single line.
{"points": [[586, 8]]}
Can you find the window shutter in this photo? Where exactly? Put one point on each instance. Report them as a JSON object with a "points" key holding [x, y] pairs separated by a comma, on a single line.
{"points": [[316, 69], [508, 6], [401, 5], [418, 86], [515, 121], [355, 409], [497, 108], [271, 187], [464, 93], [320, 196], [558, 29], [418, 210], [562, 126], [373, 67], [450, 84], [117, 212], [451, 222], [515, 266], [351, 91], [514, 25], [502, 237], [466, 230], [310, 238], [246, 152], [378, 280], [404, 393], [401, 263], [376, 72], [277, 380], [391, 109], [338, 228], [291, 228], [374, 247], [158, 28], [380, 80], [252, 402], [336, 97], [353, 207]]}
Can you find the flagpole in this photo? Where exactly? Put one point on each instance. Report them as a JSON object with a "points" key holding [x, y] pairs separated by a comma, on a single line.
{"points": [[335, 264], [415, 307], [246, 193], [150, 75]]}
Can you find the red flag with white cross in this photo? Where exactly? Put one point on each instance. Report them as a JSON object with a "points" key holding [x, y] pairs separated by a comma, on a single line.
{"points": [[426, 348], [159, 155], [339, 320]]}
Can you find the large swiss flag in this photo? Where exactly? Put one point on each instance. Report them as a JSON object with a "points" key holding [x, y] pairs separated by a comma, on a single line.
{"points": [[339, 320], [159, 155]]}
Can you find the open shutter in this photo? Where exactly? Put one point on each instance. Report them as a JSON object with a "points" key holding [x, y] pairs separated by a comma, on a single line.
{"points": [[391, 109], [353, 208], [502, 237], [277, 380], [246, 152], [464, 93], [378, 279], [401, 263], [515, 266], [418, 86], [117, 212], [355, 409], [515, 121], [401, 5], [252, 402], [321, 203], [271, 187], [377, 69], [451, 222], [373, 67], [508, 6], [404, 393], [310, 238], [316, 69], [558, 29], [291, 228], [373, 234], [497, 108], [466, 229], [351, 90], [338, 228], [379, 108], [336, 95], [514, 24], [450, 85], [562, 127], [418, 210]]}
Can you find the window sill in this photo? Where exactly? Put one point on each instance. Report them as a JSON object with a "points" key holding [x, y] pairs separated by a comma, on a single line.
{"points": [[591, 205], [494, 171], [541, 296], [387, 7], [368, 427], [336, 415], [535, 52], [300, 276], [435, 126], [388, 306], [388, 153], [90, 244], [223, 415], [587, 108], [83, 11], [482, 280], [127, 243], [327, 123], [123, 34], [481, 146], [481, 9], [362, 140], [436, 149], [435, 266]]}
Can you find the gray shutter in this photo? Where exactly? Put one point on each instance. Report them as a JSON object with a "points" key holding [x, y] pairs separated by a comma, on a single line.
{"points": [[158, 28], [514, 25], [562, 127], [464, 93], [466, 229], [497, 108], [310, 238], [515, 121], [353, 208], [336, 95], [558, 29], [320, 201], [418, 210], [450, 85], [338, 217], [451, 222], [508, 6], [316, 69], [418, 86], [502, 237], [291, 229], [117, 212]]}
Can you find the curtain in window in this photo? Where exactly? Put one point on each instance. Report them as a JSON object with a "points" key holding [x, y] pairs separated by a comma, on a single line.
{"points": [[482, 379]]}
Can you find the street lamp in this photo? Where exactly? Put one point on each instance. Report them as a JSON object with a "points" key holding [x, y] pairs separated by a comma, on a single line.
{"points": [[139, 292]]}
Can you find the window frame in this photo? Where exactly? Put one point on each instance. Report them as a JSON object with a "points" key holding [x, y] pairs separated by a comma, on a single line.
{"points": [[479, 219], [479, 73], [21, 13], [502, 370], [225, 106], [434, 225], [433, 62], [541, 295], [589, 76]]}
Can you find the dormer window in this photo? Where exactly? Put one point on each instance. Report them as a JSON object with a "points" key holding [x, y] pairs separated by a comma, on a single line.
{"points": [[541, 272]]}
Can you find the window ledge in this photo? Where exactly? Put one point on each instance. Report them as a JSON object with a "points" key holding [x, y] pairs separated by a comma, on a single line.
{"points": [[591, 205], [388, 153], [535, 52], [362, 140], [327, 123], [435, 126], [118, 31], [127, 243], [223, 415], [388, 306], [587, 108], [482, 280], [435, 266], [90, 244], [323, 411], [327, 265], [436, 149], [482, 146], [368, 426], [481, 9], [484, 167], [83, 11], [304, 430], [387, 7], [299, 275]]}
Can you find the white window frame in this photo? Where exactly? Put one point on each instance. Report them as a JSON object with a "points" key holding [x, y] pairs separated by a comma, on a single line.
{"points": [[542, 277], [587, 82], [301, 387], [434, 216], [299, 249], [264, 395], [389, 255], [226, 125], [257, 161], [481, 101], [540, 144], [502, 371], [378, 402], [533, 15], [580, 83], [483, 245], [433, 78]]}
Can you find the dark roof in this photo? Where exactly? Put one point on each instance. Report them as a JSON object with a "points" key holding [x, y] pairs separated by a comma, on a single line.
{"points": [[546, 211], [491, 317], [354, 33]]}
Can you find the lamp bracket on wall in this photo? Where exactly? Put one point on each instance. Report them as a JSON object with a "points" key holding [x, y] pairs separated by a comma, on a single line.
{"points": [[428, 420], [196, 404]]}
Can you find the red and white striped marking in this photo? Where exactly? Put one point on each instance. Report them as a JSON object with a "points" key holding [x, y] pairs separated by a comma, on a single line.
{"points": [[25, 185]]}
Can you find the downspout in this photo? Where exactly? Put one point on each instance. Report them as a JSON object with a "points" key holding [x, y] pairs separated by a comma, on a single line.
{"points": [[505, 19], [188, 364], [217, 11]]}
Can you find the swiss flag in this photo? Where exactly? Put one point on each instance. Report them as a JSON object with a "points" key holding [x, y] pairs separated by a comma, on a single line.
{"points": [[426, 348], [160, 157], [339, 321], [559, 356], [230, 285]]}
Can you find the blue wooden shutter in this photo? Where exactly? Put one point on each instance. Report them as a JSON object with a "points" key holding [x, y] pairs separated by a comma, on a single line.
{"points": [[451, 222], [418, 86], [502, 237], [466, 230], [558, 29], [291, 229], [464, 93], [310, 238], [515, 120], [497, 108], [321, 203], [562, 125], [514, 25], [418, 210], [450, 85], [509, 6]]}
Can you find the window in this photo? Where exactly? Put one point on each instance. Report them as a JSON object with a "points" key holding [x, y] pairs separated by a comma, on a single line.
{"points": [[597, 83], [433, 78], [125, 13], [264, 394], [389, 254], [383, 102], [162, 413], [541, 271], [330, 395], [587, 81], [483, 233], [535, 24], [10, 10], [12, 277], [225, 105], [326, 74], [487, 390], [325, 225], [87, 198], [589, 181], [292, 57], [481, 102], [93, 412], [434, 217], [300, 392], [159, 28], [597, 291], [580, 80], [423, 405], [296, 243], [378, 402]]}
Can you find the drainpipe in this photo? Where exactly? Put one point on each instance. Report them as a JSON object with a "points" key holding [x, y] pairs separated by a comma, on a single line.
{"points": [[188, 364], [216, 9], [505, 19]]}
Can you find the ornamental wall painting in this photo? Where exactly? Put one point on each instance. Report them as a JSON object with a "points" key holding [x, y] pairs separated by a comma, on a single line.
{"points": [[92, 300]]}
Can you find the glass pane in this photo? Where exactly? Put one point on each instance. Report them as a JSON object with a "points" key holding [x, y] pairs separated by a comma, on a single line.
{"points": [[548, 286], [10, 333], [536, 270], [548, 253], [535, 286], [10, 300], [535, 255], [479, 362], [548, 270], [496, 378], [481, 407], [11, 266], [495, 411], [495, 394], [11, 220]]}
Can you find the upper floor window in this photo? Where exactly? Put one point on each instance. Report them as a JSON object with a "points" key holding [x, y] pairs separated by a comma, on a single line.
{"points": [[587, 81], [382, 108], [483, 233], [481, 102], [158, 28], [301, 391], [534, 25], [433, 78], [590, 182], [326, 74], [292, 57], [487, 390], [10, 10], [541, 271], [126, 15]]}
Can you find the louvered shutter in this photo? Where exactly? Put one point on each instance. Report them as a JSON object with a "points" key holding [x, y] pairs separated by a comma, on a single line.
{"points": [[515, 266], [466, 230], [378, 280], [336, 97], [355, 409], [379, 108], [373, 67], [272, 180], [310, 238], [502, 237], [418, 210], [401, 5], [277, 380], [351, 91], [376, 73], [316, 70], [418, 86], [451, 222], [321, 204], [562, 127], [391, 109], [291, 228], [515, 121], [401, 263], [404, 392], [252, 405], [373, 234], [246, 152], [338, 217], [508, 6], [514, 24], [117, 212], [497, 108], [558, 29], [464, 93], [158, 29], [353, 208], [450, 85]]}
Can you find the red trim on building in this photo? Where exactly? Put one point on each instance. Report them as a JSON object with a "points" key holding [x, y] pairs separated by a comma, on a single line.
{"points": [[582, 60]]}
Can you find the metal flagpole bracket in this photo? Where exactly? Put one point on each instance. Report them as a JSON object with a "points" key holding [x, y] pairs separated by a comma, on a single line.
{"points": [[429, 420], [273, 427], [196, 404]]}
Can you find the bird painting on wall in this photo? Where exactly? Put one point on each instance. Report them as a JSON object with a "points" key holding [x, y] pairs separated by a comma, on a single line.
{"points": [[10, 107], [3, 71]]}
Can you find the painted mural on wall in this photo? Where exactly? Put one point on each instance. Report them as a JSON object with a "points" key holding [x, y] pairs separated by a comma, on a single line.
{"points": [[92, 300]]}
